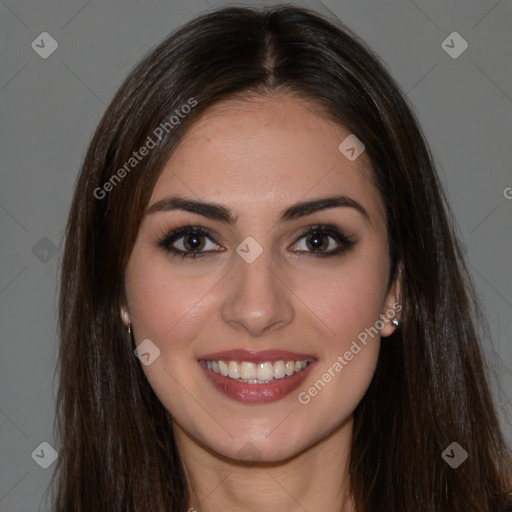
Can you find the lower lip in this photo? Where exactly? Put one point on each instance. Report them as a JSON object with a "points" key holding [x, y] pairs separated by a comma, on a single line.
{"points": [[256, 393]]}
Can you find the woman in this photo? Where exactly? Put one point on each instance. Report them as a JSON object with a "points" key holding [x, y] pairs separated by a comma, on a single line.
{"points": [[263, 305]]}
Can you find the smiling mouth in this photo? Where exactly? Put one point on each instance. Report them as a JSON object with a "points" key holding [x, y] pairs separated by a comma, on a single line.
{"points": [[256, 377], [257, 373]]}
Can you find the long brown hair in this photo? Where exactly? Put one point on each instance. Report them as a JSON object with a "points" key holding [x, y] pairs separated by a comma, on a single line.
{"points": [[117, 450]]}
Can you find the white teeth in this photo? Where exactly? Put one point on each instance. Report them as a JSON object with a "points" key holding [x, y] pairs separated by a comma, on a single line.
{"points": [[265, 371], [279, 371], [234, 370], [257, 373], [248, 371], [223, 369]]}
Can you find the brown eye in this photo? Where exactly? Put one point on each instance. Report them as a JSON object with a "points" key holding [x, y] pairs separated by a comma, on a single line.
{"points": [[318, 242], [193, 242], [323, 241], [189, 241]]}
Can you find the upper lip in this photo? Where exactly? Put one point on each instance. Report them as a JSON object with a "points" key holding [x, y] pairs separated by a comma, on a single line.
{"points": [[255, 356]]}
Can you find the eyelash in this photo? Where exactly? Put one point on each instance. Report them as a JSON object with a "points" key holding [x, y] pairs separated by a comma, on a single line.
{"points": [[166, 240]]}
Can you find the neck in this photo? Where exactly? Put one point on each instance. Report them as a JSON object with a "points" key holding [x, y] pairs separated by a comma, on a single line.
{"points": [[315, 479]]}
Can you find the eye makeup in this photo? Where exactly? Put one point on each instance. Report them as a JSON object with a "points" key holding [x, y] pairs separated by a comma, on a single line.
{"points": [[194, 236]]}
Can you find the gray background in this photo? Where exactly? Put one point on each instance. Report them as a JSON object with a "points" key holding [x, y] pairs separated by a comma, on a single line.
{"points": [[50, 107]]}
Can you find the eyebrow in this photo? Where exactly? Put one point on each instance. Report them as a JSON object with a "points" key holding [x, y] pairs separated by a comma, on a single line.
{"points": [[220, 213]]}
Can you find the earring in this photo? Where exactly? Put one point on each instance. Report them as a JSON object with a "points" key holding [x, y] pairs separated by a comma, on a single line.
{"points": [[126, 320], [395, 322]]}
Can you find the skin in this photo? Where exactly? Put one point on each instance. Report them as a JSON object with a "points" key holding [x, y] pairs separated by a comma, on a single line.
{"points": [[257, 157]]}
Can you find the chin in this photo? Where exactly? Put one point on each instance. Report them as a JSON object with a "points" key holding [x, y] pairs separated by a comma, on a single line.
{"points": [[253, 449]]}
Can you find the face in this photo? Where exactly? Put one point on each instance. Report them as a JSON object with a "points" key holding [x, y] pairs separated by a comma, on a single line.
{"points": [[262, 259]]}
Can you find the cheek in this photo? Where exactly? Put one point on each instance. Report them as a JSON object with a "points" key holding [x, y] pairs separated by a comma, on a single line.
{"points": [[164, 303], [171, 308], [347, 301], [341, 377], [349, 306]]}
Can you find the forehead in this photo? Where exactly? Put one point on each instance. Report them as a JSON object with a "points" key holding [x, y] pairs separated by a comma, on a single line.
{"points": [[266, 152]]}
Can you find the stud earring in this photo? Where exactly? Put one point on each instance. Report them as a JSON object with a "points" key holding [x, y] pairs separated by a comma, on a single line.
{"points": [[395, 322]]}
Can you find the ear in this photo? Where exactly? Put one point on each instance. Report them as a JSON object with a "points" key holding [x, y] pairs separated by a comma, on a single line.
{"points": [[125, 317], [392, 305]]}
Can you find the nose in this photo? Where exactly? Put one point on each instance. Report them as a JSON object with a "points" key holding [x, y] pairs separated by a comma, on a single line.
{"points": [[258, 300]]}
